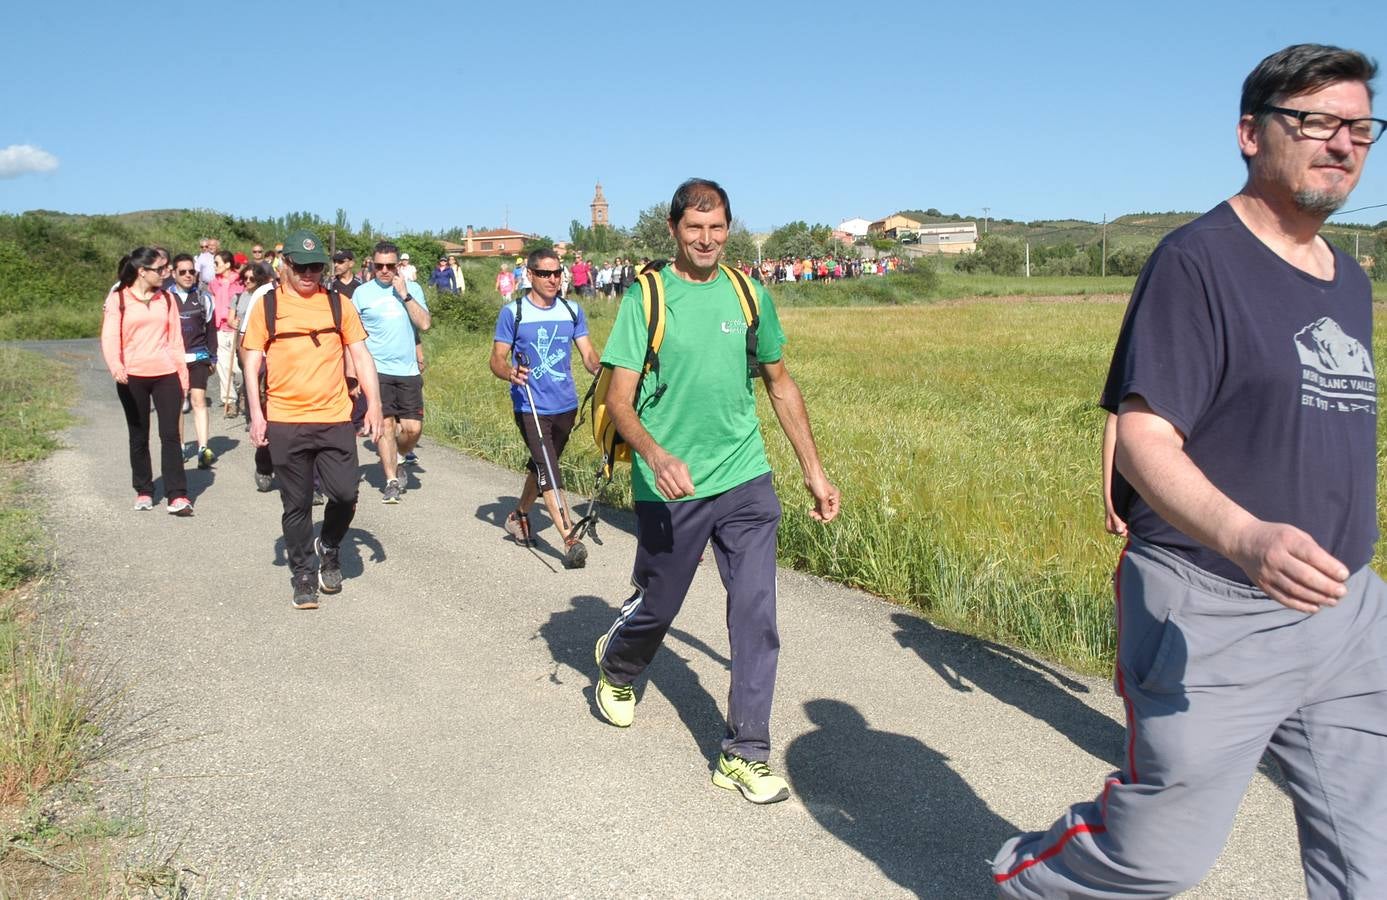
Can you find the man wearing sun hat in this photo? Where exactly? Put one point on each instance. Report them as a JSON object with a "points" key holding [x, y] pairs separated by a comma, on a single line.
{"points": [[308, 422]]}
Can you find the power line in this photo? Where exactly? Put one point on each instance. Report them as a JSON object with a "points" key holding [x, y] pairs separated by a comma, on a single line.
{"points": [[1344, 212]]}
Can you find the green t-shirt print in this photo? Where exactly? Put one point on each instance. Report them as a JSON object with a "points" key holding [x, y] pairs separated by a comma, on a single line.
{"points": [[707, 413]]}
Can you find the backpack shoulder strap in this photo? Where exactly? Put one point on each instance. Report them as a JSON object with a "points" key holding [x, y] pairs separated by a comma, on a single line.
{"points": [[572, 313], [746, 295], [268, 304], [334, 302], [653, 300]]}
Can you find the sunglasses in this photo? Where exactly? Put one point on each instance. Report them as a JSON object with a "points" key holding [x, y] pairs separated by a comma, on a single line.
{"points": [[546, 273], [185, 271], [381, 265], [305, 267]]}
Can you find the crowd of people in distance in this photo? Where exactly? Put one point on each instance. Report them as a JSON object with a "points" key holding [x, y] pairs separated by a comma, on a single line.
{"points": [[819, 268]]}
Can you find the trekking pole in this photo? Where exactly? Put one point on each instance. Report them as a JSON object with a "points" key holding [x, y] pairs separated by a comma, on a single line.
{"points": [[544, 448]]}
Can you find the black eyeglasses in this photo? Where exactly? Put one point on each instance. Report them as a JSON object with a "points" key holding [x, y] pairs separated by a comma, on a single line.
{"points": [[185, 271], [546, 273], [1319, 126], [305, 267], [381, 265]]}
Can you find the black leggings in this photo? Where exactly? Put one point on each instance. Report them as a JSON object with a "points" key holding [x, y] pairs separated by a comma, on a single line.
{"points": [[167, 394]]}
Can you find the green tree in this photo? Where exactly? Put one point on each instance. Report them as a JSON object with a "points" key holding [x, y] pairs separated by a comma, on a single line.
{"points": [[792, 239], [650, 237], [537, 243], [740, 245], [1129, 260], [996, 254]]}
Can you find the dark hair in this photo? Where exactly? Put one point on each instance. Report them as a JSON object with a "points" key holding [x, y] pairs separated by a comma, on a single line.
{"points": [[261, 273], [703, 195], [227, 257], [1297, 69], [542, 253], [182, 257], [385, 247], [139, 258]]}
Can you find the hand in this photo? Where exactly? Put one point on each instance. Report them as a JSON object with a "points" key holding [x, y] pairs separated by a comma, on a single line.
{"points": [[671, 476], [257, 430], [373, 426], [401, 288], [826, 498], [121, 376], [1287, 563], [519, 375], [1114, 524]]}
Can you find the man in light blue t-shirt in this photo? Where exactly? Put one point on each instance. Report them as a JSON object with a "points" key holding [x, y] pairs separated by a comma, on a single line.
{"points": [[533, 350], [392, 309]]}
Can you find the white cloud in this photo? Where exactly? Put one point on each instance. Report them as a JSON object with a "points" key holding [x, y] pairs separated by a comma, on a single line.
{"points": [[25, 159]]}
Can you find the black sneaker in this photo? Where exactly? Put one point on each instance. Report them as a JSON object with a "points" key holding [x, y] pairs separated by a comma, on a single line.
{"points": [[392, 492], [329, 568], [305, 593]]}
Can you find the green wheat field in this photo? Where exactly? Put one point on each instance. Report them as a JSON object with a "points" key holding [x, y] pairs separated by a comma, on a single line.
{"points": [[963, 435]]}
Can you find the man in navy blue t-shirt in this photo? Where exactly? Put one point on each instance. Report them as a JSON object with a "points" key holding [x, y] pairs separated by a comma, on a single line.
{"points": [[1248, 619], [533, 350]]}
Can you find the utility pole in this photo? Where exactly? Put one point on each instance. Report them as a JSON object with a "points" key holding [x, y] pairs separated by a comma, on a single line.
{"points": [[1105, 245], [1355, 247], [1028, 259], [985, 211]]}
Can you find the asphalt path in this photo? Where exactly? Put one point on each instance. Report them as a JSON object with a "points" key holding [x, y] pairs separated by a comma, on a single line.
{"points": [[431, 731]]}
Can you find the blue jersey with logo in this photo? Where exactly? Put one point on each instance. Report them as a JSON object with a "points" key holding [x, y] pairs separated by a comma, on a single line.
{"points": [[546, 339]]}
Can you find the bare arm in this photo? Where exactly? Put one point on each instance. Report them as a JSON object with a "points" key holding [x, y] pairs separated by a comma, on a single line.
{"points": [[1279, 558], [418, 315], [788, 403], [1111, 520], [591, 361], [501, 366], [671, 474], [252, 361], [366, 378]]}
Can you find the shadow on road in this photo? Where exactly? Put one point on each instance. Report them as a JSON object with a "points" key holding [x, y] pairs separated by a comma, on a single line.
{"points": [[351, 559], [571, 635], [896, 801], [1018, 680], [1029, 685]]}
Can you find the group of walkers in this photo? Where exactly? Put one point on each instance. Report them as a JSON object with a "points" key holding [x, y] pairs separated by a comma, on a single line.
{"points": [[819, 268], [1243, 398]]}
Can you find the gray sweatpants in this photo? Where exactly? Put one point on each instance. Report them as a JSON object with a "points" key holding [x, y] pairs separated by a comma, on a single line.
{"points": [[670, 538], [1213, 673]]}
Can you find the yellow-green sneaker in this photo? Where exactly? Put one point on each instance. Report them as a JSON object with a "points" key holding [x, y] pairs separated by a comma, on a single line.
{"points": [[754, 779], [616, 702]]}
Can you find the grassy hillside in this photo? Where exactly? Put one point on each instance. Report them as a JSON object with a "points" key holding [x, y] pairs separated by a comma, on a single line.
{"points": [[55, 268], [1142, 229]]}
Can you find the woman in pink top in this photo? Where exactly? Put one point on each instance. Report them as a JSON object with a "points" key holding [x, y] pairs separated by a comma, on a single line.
{"points": [[142, 342], [224, 286], [505, 282]]}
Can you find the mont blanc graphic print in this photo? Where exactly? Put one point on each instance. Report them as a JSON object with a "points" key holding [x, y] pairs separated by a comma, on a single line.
{"points": [[1336, 373]]}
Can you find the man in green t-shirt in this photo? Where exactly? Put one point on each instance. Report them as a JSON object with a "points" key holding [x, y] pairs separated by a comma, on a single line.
{"points": [[699, 472]]}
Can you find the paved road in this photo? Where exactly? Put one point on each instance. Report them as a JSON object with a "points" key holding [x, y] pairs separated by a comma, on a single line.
{"points": [[431, 730]]}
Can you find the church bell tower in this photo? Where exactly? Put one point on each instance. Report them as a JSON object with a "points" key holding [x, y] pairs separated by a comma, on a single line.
{"points": [[599, 208]]}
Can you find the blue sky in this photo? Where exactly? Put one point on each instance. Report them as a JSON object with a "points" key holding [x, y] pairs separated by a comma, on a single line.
{"points": [[424, 116]]}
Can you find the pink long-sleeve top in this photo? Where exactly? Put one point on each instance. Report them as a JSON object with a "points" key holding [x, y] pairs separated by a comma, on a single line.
{"points": [[224, 288], [149, 342]]}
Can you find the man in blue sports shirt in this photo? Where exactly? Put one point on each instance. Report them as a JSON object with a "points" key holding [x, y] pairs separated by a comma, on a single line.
{"points": [[392, 308], [533, 350]]}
